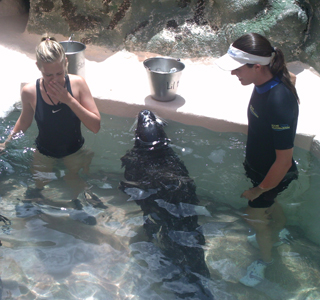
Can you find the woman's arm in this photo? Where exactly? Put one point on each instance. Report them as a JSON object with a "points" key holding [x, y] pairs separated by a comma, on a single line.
{"points": [[27, 113], [84, 106], [274, 176]]}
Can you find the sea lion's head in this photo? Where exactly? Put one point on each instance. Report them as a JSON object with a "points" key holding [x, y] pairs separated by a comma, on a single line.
{"points": [[149, 132]]}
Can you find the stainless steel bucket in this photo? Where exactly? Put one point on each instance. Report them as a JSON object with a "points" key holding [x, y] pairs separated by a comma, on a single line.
{"points": [[75, 54], [164, 76]]}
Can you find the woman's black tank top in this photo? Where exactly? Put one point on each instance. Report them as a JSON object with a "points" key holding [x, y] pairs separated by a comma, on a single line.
{"points": [[59, 127]]}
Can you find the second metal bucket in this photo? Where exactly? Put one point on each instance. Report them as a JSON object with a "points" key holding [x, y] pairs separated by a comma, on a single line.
{"points": [[164, 75], [75, 54]]}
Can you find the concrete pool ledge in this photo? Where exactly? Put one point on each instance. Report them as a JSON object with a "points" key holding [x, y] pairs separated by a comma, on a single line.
{"points": [[207, 96]]}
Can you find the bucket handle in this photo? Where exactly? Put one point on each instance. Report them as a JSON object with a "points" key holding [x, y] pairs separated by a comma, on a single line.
{"points": [[70, 38]]}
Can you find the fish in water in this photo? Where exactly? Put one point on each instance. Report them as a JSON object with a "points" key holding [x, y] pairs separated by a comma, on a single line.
{"points": [[158, 181]]}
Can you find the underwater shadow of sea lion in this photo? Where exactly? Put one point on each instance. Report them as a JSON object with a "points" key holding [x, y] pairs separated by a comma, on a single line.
{"points": [[158, 181]]}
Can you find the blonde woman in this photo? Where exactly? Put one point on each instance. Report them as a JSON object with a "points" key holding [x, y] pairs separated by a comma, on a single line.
{"points": [[59, 102]]}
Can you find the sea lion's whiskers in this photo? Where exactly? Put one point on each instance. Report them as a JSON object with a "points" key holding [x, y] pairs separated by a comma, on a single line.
{"points": [[161, 121], [132, 128]]}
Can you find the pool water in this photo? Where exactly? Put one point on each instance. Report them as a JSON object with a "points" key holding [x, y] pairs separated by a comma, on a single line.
{"points": [[48, 254]]}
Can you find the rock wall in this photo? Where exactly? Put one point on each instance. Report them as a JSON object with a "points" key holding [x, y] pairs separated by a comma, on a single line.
{"points": [[182, 28], [310, 50]]}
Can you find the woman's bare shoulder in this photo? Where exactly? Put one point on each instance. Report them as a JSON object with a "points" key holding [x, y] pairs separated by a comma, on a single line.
{"points": [[29, 89], [29, 94], [75, 78], [78, 83]]}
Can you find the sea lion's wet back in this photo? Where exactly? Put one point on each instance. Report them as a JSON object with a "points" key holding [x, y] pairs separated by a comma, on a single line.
{"points": [[158, 181]]}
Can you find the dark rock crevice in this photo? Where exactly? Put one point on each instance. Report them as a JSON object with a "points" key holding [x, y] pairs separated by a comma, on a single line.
{"points": [[199, 13], [120, 14], [76, 21]]}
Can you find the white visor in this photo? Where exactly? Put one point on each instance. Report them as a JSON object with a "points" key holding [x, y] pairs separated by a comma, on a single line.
{"points": [[236, 58]]}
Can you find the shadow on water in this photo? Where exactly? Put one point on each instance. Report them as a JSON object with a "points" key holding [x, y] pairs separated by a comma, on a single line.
{"points": [[158, 181]]}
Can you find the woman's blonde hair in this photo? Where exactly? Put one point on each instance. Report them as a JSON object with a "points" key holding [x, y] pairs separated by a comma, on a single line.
{"points": [[49, 51]]}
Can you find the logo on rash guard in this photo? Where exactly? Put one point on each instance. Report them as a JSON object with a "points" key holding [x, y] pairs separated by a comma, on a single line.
{"points": [[253, 112], [280, 127]]}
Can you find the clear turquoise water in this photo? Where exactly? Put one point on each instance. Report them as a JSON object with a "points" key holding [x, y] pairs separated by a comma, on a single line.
{"points": [[48, 255]]}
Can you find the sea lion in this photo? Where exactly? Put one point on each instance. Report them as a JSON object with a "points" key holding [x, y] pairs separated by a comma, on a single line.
{"points": [[158, 181]]}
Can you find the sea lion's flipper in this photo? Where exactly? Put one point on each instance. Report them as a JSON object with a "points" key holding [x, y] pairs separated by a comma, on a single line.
{"points": [[93, 199]]}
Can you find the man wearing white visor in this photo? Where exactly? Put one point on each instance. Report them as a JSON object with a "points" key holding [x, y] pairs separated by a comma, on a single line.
{"points": [[272, 121]]}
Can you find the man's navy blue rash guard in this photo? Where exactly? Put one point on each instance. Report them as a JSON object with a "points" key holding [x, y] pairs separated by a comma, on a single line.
{"points": [[272, 121], [59, 127]]}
